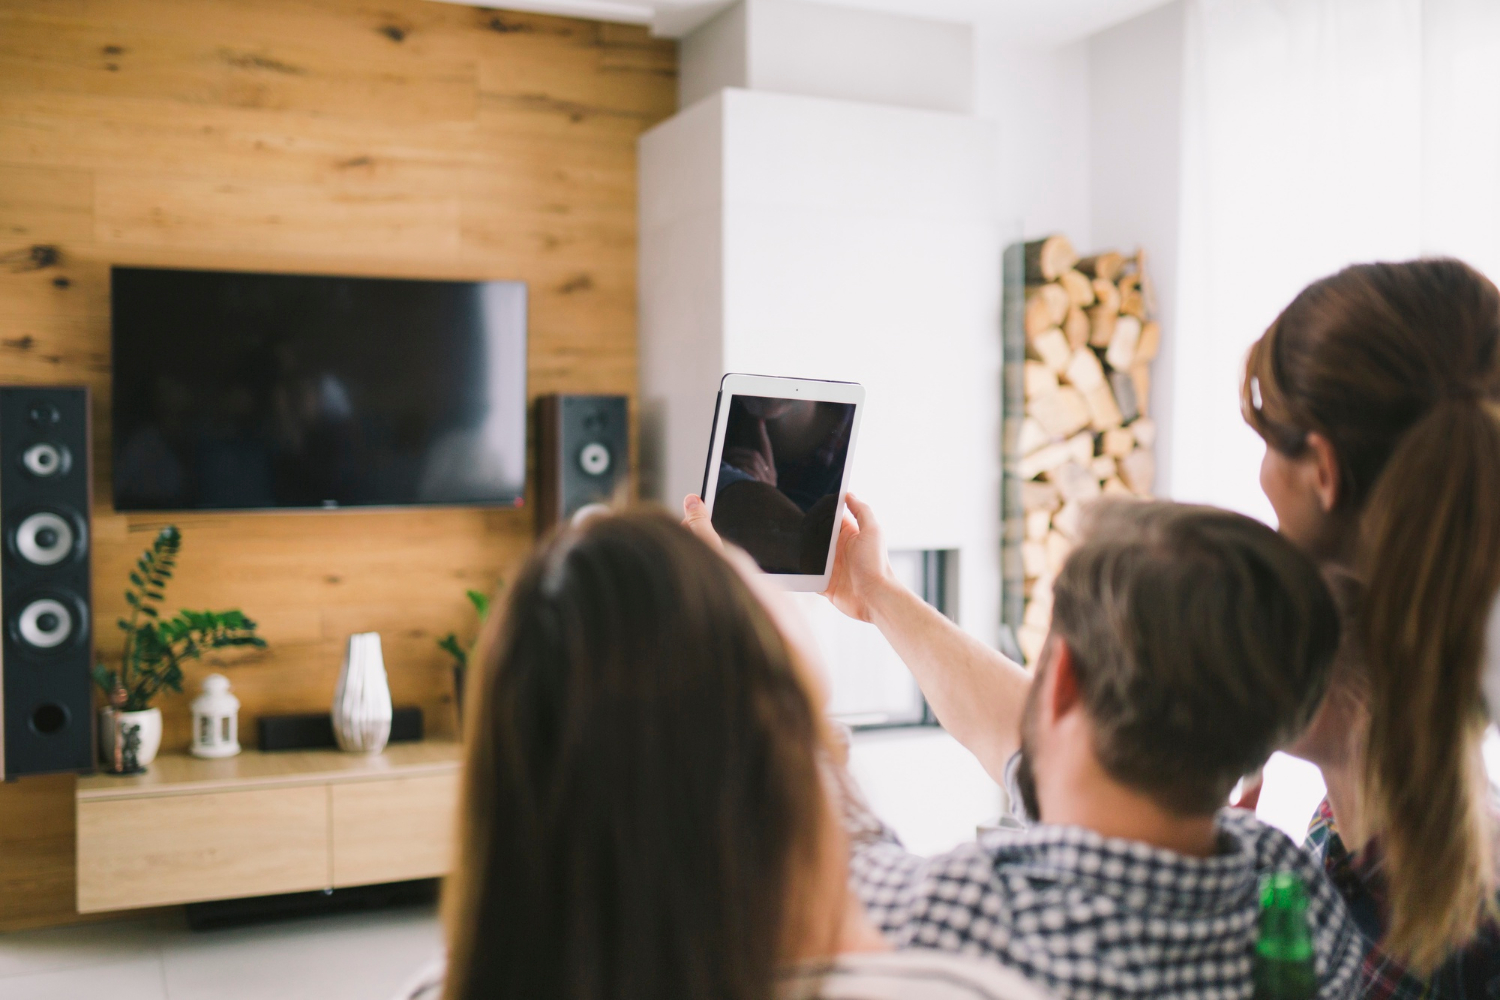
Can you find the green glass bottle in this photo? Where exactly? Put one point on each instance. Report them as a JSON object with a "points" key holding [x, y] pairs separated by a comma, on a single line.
{"points": [[1284, 949]]}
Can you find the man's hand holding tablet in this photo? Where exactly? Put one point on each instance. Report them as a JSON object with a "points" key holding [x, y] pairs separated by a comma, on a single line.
{"points": [[778, 467]]}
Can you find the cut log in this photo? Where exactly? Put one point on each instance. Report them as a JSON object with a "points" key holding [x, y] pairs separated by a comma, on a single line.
{"points": [[1034, 558], [1077, 328], [1144, 430], [1038, 614], [1047, 259], [1061, 413], [1118, 443], [1121, 353], [1038, 523], [1050, 297], [1101, 326], [1068, 519], [1038, 315], [1075, 482], [1104, 414], [1105, 265], [1058, 548], [1080, 289], [1044, 460], [1051, 347], [1040, 496], [1137, 470], [1150, 342], [1106, 295], [1084, 370], [1039, 379], [1115, 488], [1141, 376], [1032, 641], [1102, 317], [1033, 436], [1080, 447], [1124, 387], [1103, 467]]}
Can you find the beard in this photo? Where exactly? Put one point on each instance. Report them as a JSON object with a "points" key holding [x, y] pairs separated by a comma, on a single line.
{"points": [[1025, 774]]}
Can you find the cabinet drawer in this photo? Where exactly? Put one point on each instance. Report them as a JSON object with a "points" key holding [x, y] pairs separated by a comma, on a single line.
{"points": [[386, 831], [153, 851]]}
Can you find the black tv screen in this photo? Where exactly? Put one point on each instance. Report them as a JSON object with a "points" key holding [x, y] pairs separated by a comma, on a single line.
{"points": [[241, 391]]}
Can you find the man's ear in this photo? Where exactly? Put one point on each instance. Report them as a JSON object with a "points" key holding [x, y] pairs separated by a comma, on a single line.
{"points": [[1062, 694], [1327, 463]]}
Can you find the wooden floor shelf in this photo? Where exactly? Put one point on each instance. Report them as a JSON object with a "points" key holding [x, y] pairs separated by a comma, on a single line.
{"points": [[190, 830]]}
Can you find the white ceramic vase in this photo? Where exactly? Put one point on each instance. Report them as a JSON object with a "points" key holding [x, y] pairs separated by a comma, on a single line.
{"points": [[362, 703], [149, 722]]}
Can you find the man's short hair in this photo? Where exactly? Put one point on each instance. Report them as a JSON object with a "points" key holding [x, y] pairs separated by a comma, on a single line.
{"points": [[1201, 641]]}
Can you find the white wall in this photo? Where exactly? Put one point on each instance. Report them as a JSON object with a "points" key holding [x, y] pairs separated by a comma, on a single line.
{"points": [[1038, 100], [819, 50], [681, 288], [1135, 175]]}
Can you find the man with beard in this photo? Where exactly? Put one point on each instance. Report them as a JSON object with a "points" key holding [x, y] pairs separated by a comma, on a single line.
{"points": [[1187, 643]]}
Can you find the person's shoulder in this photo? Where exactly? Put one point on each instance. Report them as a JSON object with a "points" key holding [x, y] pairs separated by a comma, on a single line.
{"points": [[912, 974], [1273, 849]]}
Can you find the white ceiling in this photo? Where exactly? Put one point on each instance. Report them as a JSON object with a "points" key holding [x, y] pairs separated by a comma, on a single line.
{"points": [[1035, 22]]}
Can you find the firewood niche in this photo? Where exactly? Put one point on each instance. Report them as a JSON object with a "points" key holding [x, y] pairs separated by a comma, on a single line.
{"points": [[1084, 430]]}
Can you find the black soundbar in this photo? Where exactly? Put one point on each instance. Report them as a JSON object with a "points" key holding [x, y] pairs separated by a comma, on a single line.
{"points": [[314, 731]]}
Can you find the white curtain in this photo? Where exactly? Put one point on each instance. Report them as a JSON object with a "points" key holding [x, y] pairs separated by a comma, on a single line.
{"points": [[1317, 133]]}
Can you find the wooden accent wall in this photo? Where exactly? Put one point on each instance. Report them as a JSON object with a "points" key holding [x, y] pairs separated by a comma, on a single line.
{"points": [[402, 138]]}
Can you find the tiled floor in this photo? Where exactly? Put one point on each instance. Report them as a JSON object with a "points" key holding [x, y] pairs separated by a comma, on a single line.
{"points": [[358, 956]]}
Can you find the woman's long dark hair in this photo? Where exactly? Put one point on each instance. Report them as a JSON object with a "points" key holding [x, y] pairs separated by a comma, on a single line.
{"points": [[641, 788], [1398, 366]]}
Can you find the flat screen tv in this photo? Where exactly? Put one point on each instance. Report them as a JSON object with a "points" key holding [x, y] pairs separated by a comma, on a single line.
{"points": [[237, 391]]}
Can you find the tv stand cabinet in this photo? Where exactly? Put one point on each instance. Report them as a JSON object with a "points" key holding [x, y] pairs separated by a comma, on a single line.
{"points": [[191, 830]]}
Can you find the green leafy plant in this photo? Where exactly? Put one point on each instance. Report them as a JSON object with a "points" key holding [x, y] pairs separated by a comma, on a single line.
{"points": [[460, 653], [450, 644], [157, 647]]}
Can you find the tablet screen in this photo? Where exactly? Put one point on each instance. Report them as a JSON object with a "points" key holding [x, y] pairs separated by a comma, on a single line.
{"points": [[779, 478]]}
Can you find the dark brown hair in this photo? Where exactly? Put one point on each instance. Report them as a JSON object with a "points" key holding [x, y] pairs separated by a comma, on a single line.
{"points": [[641, 788], [1201, 640], [1396, 366]]}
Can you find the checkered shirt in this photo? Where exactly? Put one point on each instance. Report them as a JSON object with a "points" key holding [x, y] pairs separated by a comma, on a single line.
{"points": [[1094, 918], [1471, 973]]}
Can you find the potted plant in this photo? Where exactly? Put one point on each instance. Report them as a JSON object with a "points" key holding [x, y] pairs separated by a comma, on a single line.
{"points": [[156, 648], [460, 653]]}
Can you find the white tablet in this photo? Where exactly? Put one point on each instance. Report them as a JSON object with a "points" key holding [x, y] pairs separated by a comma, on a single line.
{"points": [[778, 466]]}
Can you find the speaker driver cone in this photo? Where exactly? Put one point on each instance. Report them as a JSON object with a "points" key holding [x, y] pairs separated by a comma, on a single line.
{"points": [[594, 459], [45, 460], [45, 623], [45, 538]]}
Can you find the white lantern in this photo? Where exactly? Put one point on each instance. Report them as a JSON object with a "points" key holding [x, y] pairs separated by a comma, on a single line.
{"points": [[216, 719]]}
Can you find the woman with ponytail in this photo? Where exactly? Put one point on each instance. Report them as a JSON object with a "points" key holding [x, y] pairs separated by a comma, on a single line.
{"points": [[1377, 392]]}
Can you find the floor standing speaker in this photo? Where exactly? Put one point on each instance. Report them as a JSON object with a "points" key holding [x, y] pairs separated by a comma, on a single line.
{"points": [[47, 720], [583, 454]]}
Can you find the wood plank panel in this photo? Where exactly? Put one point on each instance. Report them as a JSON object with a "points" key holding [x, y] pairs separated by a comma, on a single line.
{"points": [[376, 137], [372, 842], [184, 849]]}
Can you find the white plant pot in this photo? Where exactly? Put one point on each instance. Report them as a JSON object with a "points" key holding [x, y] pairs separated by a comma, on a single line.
{"points": [[362, 703], [150, 723]]}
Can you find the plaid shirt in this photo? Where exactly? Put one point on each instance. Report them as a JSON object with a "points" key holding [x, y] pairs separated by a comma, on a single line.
{"points": [[1470, 974], [1093, 918]]}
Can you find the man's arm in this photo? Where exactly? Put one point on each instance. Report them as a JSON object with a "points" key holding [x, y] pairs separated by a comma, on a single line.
{"points": [[977, 694]]}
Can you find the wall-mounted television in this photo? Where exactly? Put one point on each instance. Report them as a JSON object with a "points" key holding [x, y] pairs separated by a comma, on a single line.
{"points": [[239, 391]]}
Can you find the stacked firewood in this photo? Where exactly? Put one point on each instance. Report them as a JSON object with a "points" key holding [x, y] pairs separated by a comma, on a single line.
{"points": [[1090, 339]]}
